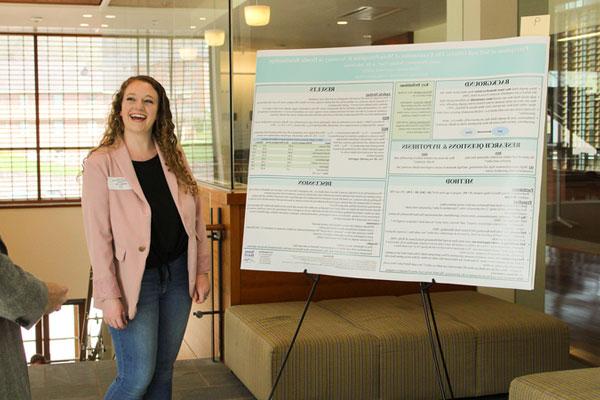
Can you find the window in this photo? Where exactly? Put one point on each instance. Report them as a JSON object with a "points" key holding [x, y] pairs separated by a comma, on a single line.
{"points": [[55, 94], [57, 335]]}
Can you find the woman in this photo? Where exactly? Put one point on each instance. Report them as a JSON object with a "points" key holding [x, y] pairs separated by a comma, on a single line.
{"points": [[146, 238]]}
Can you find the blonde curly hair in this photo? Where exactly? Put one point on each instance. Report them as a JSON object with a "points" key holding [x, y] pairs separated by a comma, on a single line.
{"points": [[163, 132]]}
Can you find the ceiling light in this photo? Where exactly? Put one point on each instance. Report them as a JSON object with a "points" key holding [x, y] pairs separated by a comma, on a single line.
{"points": [[84, 25], [110, 16], [104, 25], [370, 13], [214, 37], [87, 15], [367, 36], [202, 18], [341, 22], [36, 19], [192, 26], [257, 15]]}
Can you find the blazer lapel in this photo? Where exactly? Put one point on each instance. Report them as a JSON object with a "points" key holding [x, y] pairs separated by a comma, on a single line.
{"points": [[124, 161], [171, 181]]}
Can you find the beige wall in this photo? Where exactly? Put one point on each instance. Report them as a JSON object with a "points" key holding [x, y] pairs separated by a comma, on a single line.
{"points": [[436, 33], [481, 19], [49, 242], [244, 71]]}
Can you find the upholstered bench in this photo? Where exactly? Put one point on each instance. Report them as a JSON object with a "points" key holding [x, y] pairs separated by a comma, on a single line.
{"points": [[511, 340], [577, 384], [378, 347], [331, 358], [405, 362]]}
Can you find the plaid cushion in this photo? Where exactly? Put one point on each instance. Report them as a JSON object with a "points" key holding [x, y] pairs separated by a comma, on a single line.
{"points": [[331, 358], [579, 384]]}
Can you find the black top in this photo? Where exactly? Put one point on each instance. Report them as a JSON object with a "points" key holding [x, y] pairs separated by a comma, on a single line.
{"points": [[168, 239]]}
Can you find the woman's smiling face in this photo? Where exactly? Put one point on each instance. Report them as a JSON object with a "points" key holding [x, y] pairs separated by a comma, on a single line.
{"points": [[139, 108]]}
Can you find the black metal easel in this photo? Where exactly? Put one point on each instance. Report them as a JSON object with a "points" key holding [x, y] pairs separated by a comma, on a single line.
{"points": [[430, 320], [315, 278]]}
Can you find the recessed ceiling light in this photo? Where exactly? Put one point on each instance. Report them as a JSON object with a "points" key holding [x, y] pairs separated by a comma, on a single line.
{"points": [[87, 15], [193, 27], [366, 36], [110, 16], [104, 25], [84, 25], [202, 18], [341, 22]]}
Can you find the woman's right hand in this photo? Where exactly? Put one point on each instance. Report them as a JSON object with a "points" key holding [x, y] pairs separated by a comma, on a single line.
{"points": [[114, 313]]}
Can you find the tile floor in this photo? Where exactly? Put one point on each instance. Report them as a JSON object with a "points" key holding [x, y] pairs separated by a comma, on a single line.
{"points": [[193, 379]]}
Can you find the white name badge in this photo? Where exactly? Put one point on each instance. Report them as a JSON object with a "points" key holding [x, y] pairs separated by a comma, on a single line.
{"points": [[118, 183]]}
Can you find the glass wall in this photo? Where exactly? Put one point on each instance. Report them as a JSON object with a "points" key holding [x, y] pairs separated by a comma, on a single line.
{"points": [[573, 237], [80, 60], [574, 119], [327, 23], [58, 79]]}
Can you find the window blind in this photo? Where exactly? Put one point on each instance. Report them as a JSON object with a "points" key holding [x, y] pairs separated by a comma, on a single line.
{"points": [[190, 91], [42, 147], [18, 140], [181, 65]]}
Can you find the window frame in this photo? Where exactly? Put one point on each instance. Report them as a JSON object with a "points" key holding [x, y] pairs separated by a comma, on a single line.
{"points": [[42, 332]]}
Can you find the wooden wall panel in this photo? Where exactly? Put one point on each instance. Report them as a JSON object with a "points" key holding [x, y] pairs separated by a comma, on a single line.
{"points": [[266, 287], [403, 38]]}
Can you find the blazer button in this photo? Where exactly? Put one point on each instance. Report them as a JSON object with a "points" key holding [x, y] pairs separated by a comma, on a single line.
{"points": [[142, 248]]}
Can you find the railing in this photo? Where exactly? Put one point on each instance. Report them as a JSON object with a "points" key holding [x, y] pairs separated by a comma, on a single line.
{"points": [[83, 324], [216, 233]]}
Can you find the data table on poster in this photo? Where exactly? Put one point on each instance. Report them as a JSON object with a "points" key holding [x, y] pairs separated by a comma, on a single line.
{"points": [[307, 157]]}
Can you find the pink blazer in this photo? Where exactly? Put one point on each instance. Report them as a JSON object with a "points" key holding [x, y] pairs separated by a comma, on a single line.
{"points": [[116, 218]]}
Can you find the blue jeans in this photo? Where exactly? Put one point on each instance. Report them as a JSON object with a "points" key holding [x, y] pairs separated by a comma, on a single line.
{"points": [[147, 348]]}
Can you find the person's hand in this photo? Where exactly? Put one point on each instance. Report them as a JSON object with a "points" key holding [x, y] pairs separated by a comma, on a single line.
{"points": [[57, 295], [113, 313], [202, 288]]}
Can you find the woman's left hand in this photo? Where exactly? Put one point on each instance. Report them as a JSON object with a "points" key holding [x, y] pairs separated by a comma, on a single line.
{"points": [[202, 288]]}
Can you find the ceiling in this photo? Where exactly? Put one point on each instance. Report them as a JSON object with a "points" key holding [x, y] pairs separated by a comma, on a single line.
{"points": [[314, 23], [305, 23], [70, 2]]}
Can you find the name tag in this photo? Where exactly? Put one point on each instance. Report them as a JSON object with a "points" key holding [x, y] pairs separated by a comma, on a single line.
{"points": [[118, 183]]}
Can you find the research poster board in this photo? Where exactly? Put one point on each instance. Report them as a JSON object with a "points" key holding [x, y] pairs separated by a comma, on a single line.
{"points": [[409, 162]]}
